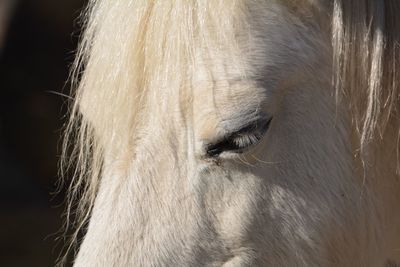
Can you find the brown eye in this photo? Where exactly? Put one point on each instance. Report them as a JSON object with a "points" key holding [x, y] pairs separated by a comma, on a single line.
{"points": [[239, 141]]}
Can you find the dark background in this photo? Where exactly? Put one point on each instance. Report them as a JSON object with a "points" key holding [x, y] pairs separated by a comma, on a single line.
{"points": [[37, 52]]}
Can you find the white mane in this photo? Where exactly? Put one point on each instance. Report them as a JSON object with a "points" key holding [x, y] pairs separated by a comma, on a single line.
{"points": [[129, 47], [366, 56], [126, 48]]}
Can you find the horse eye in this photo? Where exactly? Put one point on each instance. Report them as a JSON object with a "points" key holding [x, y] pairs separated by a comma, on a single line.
{"points": [[239, 141]]}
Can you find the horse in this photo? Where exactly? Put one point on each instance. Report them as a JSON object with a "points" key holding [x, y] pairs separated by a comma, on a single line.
{"points": [[236, 133]]}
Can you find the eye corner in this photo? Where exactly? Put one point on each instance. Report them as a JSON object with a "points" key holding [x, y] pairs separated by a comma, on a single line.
{"points": [[213, 151]]}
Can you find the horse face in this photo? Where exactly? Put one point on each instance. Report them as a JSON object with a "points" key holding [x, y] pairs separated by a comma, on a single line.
{"points": [[246, 170]]}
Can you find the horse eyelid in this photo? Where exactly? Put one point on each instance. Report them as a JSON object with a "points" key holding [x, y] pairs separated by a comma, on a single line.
{"points": [[229, 142]]}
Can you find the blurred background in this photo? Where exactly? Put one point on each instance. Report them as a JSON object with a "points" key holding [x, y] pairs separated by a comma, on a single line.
{"points": [[37, 43]]}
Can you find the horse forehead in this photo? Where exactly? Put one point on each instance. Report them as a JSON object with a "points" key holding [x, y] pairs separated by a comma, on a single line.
{"points": [[224, 86], [224, 100], [225, 83]]}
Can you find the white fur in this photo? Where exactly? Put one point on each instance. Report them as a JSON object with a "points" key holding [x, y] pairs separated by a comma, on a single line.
{"points": [[151, 105]]}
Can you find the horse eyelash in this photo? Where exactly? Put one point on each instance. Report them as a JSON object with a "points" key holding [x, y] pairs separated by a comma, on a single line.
{"points": [[248, 139], [238, 141]]}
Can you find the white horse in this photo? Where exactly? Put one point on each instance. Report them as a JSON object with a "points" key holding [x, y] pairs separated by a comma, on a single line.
{"points": [[238, 133]]}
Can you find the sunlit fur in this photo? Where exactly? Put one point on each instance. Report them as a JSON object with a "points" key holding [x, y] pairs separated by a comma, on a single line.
{"points": [[157, 81]]}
